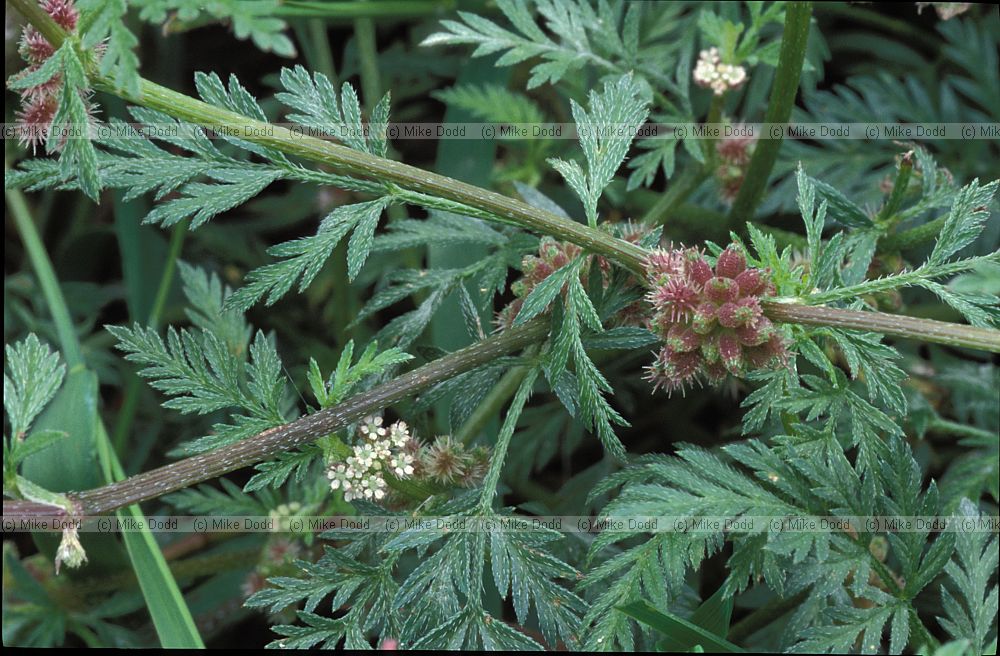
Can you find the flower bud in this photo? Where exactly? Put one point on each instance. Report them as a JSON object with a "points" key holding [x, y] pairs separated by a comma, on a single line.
{"points": [[731, 353], [682, 339], [70, 550], [721, 290], [750, 282], [698, 269], [731, 263], [703, 319]]}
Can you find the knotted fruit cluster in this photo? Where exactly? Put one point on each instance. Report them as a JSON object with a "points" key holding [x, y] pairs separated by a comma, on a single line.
{"points": [[40, 102], [552, 256], [710, 320]]}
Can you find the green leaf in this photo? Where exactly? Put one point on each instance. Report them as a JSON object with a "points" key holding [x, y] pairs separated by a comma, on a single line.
{"points": [[305, 257], [605, 132], [965, 221], [542, 295], [840, 208], [35, 376], [679, 633]]}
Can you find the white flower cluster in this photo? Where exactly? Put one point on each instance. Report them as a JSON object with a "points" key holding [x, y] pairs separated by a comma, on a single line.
{"points": [[711, 73], [361, 475]]}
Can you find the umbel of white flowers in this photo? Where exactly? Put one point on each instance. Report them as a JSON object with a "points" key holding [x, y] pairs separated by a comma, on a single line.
{"points": [[361, 475], [711, 73]]}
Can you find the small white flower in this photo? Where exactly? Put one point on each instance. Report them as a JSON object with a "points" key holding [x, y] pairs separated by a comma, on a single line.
{"points": [[371, 427], [399, 434], [711, 73], [402, 465]]}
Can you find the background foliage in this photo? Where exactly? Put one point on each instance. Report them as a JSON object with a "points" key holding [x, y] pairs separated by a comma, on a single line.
{"points": [[288, 287]]}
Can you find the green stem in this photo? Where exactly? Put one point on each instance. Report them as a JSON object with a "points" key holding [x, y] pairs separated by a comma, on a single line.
{"points": [[352, 162], [169, 612], [69, 343], [779, 109], [487, 203], [763, 616], [682, 187], [961, 430], [915, 236], [354, 10], [926, 330], [896, 281], [205, 466], [371, 84]]}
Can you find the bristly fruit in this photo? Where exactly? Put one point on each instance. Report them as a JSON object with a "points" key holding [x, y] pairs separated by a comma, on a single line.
{"points": [[710, 320], [553, 255]]}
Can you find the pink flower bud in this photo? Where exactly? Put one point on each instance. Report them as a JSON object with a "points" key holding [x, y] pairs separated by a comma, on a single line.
{"points": [[750, 283], [731, 263], [682, 339], [698, 269], [721, 290], [727, 315], [704, 318], [732, 353]]}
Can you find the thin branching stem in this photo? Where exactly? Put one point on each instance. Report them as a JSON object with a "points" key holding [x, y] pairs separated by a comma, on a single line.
{"points": [[483, 202], [203, 467]]}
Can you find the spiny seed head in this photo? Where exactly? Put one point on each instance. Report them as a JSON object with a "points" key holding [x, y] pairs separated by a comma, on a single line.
{"points": [[731, 263], [709, 319], [750, 283], [681, 338], [722, 290], [553, 255]]}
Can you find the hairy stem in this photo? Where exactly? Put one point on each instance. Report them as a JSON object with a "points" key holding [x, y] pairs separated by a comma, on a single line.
{"points": [[895, 281], [487, 203], [351, 162], [203, 467], [927, 330], [779, 109]]}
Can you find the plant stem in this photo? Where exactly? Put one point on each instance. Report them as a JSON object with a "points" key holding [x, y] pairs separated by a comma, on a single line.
{"points": [[895, 281], [352, 162], [202, 467], [915, 236], [170, 614], [927, 330], [682, 187], [962, 431], [69, 344], [779, 109], [354, 10], [364, 39]]}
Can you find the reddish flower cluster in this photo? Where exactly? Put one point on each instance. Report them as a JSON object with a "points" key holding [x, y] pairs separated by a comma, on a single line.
{"points": [[39, 103], [734, 155], [553, 255], [710, 321]]}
